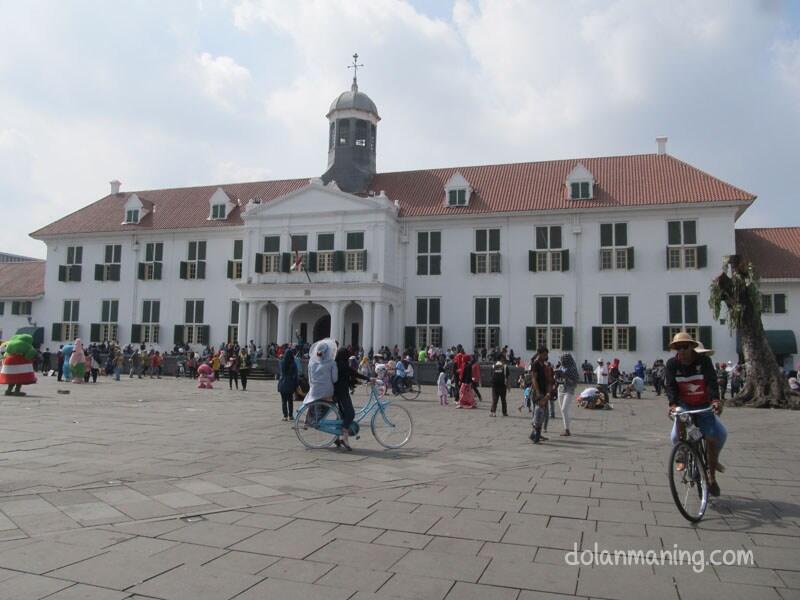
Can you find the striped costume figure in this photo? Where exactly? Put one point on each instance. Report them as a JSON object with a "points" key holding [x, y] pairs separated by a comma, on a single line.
{"points": [[17, 369]]}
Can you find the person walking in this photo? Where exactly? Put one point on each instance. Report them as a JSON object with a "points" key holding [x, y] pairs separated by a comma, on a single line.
{"points": [[601, 375], [244, 368], [119, 361], [466, 399], [288, 381], [614, 377], [476, 378], [541, 392], [500, 375], [566, 391], [233, 370]]}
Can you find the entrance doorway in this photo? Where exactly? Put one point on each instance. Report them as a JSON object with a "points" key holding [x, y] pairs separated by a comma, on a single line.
{"points": [[322, 328], [354, 337]]}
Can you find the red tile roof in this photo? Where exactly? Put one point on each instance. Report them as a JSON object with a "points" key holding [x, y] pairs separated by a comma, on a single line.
{"points": [[22, 279], [774, 251], [620, 181]]}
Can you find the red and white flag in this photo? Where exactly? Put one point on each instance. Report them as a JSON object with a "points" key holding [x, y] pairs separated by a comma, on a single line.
{"points": [[298, 261]]}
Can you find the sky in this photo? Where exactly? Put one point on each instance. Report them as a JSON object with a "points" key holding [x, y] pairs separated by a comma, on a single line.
{"points": [[192, 92]]}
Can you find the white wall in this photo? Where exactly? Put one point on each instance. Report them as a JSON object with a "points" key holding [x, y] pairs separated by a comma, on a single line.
{"points": [[791, 318], [9, 324]]}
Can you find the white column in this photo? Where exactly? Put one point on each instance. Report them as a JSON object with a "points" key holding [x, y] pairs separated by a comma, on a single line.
{"points": [[366, 337], [252, 321], [336, 321], [379, 331], [242, 337], [283, 322]]}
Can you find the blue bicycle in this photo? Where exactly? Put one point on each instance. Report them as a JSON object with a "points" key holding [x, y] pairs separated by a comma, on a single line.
{"points": [[319, 424]]}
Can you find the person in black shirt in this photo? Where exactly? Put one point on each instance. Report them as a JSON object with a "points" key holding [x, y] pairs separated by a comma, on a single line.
{"points": [[341, 393], [542, 380]]}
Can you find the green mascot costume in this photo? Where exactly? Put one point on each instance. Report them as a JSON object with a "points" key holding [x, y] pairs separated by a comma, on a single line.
{"points": [[17, 369]]}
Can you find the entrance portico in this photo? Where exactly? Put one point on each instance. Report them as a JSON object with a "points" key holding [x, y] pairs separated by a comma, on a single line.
{"points": [[357, 314]]}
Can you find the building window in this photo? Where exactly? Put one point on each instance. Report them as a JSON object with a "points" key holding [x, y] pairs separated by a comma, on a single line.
{"points": [[152, 266], [233, 323], [218, 211], [235, 265], [615, 332], [151, 315], [72, 270], [487, 323], [683, 252], [344, 131], [429, 253], [2, 308], [193, 319], [109, 316], [299, 245], [355, 256], [132, 216], [457, 197], [325, 252], [580, 190], [361, 133], [548, 255], [684, 316], [549, 323], [614, 250], [486, 258], [332, 135], [271, 258], [19, 307], [195, 265], [773, 304], [429, 330], [110, 269], [68, 328]]}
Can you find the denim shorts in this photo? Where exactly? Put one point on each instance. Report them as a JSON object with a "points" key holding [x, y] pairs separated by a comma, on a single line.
{"points": [[708, 423]]}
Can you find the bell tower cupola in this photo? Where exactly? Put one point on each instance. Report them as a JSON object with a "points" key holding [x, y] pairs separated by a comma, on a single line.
{"points": [[352, 137]]}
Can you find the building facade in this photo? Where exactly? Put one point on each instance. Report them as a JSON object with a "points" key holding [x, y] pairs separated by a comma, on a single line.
{"points": [[600, 256]]}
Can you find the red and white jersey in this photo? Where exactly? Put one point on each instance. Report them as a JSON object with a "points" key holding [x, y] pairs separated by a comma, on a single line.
{"points": [[17, 370], [692, 389]]}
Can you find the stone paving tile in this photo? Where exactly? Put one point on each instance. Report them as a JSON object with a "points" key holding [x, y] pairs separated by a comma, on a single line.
{"points": [[349, 577], [307, 571], [347, 515], [295, 540], [263, 521], [118, 571], [283, 589], [242, 562], [355, 554], [30, 587], [471, 591], [625, 584], [192, 583], [531, 576], [80, 591], [464, 528], [416, 587], [729, 591], [398, 521], [441, 564], [353, 533], [209, 533], [403, 539], [455, 546], [43, 556]]}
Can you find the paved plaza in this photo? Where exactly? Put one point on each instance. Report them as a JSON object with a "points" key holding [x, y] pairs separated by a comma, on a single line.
{"points": [[155, 489]]}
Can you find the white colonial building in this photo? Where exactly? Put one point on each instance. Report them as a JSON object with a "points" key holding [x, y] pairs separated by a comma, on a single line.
{"points": [[602, 256]]}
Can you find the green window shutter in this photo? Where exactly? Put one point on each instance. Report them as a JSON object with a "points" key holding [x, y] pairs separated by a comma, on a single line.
{"points": [[494, 311], [675, 309], [555, 311], [201, 250], [14, 307], [575, 190], [230, 269], [597, 339], [364, 260], [480, 311], [530, 339], [779, 304], [410, 337], [541, 310], [422, 311], [632, 339], [607, 310], [674, 233], [238, 249], [622, 310], [435, 266], [702, 257], [666, 254], [94, 332], [203, 334], [75, 273], [114, 272], [567, 339], [434, 311], [473, 263], [620, 234], [481, 242], [62, 273], [105, 317], [606, 234], [148, 252], [259, 266], [565, 260], [436, 242], [541, 238], [178, 337], [665, 338], [184, 269], [494, 240], [114, 311], [531, 261], [155, 311], [201, 269], [286, 262], [630, 258], [56, 335], [690, 308], [99, 272], [705, 336], [338, 260], [312, 262], [422, 265], [67, 316], [689, 232], [157, 269], [555, 236], [140, 270], [159, 252]]}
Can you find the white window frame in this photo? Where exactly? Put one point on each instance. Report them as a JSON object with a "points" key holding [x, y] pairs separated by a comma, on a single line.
{"points": [[219, 211], [271, 261], [615, 336], [683, 255], [325, 257], [69, 328], [24, 308], [488, 261], [132, 216], [427, 333], [615, 256], [354, 257], [149, 327], [149, 265], [549, 335], [429, 254], [486, 333]]}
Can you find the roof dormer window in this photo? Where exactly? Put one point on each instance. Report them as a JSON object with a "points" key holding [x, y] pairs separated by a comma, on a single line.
{"points": [[457, 190], [132, 216], [135, 209], [580, 183], [218, 211], [220, 205]]}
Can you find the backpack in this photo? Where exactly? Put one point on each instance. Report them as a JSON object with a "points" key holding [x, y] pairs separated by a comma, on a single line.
{"points": [[499, 375]]}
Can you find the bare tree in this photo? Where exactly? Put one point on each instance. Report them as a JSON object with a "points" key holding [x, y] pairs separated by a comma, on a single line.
{"points": [[738, 289]]}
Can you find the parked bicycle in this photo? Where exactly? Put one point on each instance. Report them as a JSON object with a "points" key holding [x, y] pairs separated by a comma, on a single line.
{"points": [[688, 466], [318, 424]]}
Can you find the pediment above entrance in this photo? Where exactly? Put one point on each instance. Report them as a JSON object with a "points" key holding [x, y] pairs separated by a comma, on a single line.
{"points": [[317, 198]]}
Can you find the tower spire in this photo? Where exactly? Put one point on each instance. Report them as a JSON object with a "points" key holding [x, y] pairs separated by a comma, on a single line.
{"points": [[355, 67]]}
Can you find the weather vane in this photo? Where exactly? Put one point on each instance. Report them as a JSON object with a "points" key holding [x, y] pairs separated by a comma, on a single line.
{"points": [[355, 67]]}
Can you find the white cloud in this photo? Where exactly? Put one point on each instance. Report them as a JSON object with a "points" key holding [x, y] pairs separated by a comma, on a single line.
{"points": [[223, 79], [787, 59]]}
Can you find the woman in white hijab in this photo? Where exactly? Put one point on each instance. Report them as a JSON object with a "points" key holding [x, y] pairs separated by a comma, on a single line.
{"points": [[322, 371]]}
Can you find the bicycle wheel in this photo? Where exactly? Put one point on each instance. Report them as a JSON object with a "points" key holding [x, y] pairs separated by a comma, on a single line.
{"points": [[316, 423], [411, 391], [689, 486], [392, 426]]}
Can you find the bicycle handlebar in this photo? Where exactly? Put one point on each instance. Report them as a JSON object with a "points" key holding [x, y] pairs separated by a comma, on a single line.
{"points": [[680, 411]]}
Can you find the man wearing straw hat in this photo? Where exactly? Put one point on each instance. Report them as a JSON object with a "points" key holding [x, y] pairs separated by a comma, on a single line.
{"points": [[691, 383]]}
